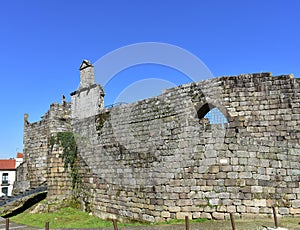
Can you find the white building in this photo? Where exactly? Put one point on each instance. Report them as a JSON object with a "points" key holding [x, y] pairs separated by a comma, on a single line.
{"points": [[8, 174], [19, 159]]}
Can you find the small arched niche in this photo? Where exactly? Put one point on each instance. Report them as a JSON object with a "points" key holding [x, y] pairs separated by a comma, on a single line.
{"points": [[212, 115]]}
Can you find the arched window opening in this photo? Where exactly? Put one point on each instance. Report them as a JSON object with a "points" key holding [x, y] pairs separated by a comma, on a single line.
{"points": [[215, 116], [212, 115]]}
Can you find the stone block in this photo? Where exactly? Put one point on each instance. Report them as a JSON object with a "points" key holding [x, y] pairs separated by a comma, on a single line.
{"points": [[251, 182], [184, 202], [214, 202], [266, 210], [230, 182], [245, 175], [224, 195], [296, 203], [210, 209], [270, 202], [283, 211], [225, 168], [237, 202], [190, 209], [256, 189], [174, 209], [218, 215], [206, 188], [165, 214], [232, 175], [196, 215], [148, 218], [248, 202], [259, 202], [244, 161], [205, 215], [238, 168], [294, 211], [269, 190], [231, 208], [214, 169], [221, 208], [174, 196], [201, 202], [252, 209], [182, 215], [169, 203], [227, 202], [241, 208], [183, 196]]}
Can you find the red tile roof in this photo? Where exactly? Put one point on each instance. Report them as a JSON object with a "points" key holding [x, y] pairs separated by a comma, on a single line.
{"points": [[20, 155], [7, 164]]}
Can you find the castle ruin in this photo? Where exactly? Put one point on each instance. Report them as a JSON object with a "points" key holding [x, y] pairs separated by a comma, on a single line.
{"points": [[159, 158]]}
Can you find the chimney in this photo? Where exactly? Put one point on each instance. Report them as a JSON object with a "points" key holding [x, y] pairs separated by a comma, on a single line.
{"points": [[86, 74]]}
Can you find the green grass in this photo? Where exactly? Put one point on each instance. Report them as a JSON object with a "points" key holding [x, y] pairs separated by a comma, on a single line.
{"points": [[64, 218], [74, 218], [177, 221]]}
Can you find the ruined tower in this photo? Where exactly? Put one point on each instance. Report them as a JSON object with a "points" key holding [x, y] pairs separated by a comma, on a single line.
{"points": [[88, 99]]}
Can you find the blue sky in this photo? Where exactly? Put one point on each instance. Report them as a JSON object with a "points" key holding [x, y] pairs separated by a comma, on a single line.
{"points": [[43, 43]]}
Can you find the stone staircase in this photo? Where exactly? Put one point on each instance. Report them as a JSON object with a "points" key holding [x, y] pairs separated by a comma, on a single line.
{"points": [[28, 192]]}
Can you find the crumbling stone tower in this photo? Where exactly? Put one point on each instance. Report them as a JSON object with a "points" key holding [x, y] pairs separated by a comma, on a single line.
{"points": [[43, 164], [38, 159]]}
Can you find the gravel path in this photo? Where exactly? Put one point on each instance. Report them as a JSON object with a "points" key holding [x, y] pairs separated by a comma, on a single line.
{"points": [[14, 226], [289, 223]]}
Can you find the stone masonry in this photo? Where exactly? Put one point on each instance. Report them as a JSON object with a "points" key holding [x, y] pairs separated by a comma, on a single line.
{"points": [[160, 158], [40, 164], [88, 99]]}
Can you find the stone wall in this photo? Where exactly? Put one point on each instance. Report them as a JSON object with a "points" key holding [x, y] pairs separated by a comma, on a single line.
{"points": [[159, 158], [59, 179], [38, 158], [87, 101], [22, 181]]}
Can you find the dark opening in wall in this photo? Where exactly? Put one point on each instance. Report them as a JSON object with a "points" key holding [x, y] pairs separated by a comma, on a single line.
{"points": [[212, 114]]}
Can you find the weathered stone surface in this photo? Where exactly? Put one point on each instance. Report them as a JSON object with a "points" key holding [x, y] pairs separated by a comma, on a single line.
{"points": [[165, 214], [296, 203], [160, 158], [218, 215]]}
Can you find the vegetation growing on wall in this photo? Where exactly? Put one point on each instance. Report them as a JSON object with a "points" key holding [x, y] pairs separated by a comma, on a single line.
{"points": [[100, 120], [66, 140]]}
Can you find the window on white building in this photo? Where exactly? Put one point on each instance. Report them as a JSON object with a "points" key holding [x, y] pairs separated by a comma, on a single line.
{"points": [[4, 190], [5, 178]]}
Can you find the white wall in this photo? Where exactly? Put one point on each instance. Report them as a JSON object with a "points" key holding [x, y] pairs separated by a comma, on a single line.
{"points": [[19, 161], [11, 180]]}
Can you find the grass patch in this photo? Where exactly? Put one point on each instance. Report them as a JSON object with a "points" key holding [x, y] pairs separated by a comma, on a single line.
{"points": [[74, 218], [64, 218]]}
